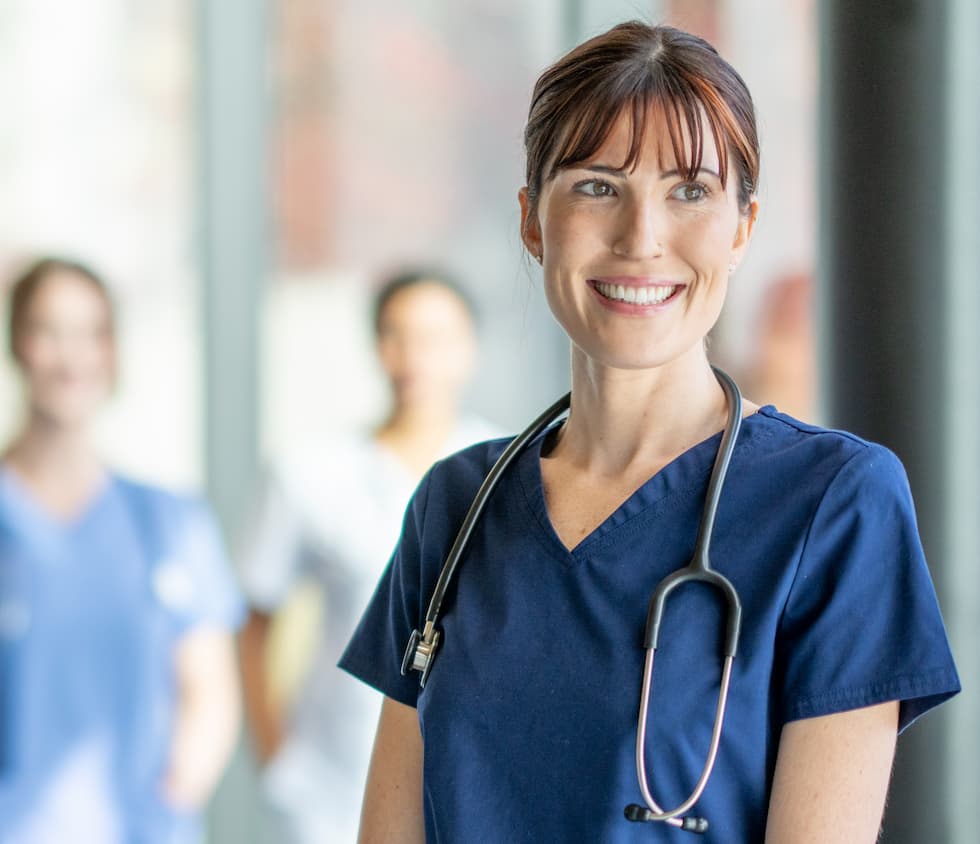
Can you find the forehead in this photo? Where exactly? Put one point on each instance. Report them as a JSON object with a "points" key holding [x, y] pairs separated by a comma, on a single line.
{"points": [[425, 301], [659, 142], [66, 295]]}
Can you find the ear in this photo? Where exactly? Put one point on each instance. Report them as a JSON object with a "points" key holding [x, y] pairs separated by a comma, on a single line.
{"points": [[530, 227], [743, 232]]}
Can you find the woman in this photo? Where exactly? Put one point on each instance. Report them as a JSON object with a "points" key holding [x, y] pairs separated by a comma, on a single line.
{"points": [[330, 514], [118, 692], [642, 168]]}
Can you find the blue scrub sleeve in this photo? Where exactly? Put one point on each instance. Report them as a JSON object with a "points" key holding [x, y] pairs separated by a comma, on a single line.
{"points": [[195, 580], [374, 654], [862, 624]]}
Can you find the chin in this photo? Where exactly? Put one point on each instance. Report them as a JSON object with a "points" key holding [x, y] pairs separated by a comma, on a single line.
{"points": [[68, 415]]}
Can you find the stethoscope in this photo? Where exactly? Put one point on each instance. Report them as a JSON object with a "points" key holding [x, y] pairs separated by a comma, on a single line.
{"points": [[421, 649]]}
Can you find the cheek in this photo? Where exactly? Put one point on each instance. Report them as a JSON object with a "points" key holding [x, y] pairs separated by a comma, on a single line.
{"points": [[572, 233], [708, 243], [37, 357]]}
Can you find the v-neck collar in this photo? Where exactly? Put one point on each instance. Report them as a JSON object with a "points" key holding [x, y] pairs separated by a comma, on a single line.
{"points": [[28, 506], [684, 472]]}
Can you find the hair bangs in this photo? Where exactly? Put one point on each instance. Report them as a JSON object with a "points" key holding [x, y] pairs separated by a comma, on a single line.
{"points": [[657, 77], [685, 110]]}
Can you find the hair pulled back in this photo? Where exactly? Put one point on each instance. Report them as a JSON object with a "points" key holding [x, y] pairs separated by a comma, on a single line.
{"points": [[648, 72], [25, 286], [406, 279]]}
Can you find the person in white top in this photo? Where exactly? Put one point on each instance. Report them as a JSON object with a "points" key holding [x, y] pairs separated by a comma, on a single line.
{"points": [[334, 515]]}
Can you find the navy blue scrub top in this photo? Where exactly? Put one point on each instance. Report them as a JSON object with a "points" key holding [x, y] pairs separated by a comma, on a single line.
{"points": [[529, 715]]}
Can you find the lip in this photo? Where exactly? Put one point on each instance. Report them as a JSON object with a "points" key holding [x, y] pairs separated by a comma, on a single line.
{"points": [[632, 308]]}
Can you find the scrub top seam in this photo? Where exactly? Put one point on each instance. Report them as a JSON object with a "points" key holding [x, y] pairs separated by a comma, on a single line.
{"points": [[542, 530], [900, 687], [743, 449], [777, 415]]}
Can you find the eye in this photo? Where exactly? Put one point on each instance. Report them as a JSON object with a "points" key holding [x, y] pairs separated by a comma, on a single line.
{"points": [[595, 187], [691, 192]]}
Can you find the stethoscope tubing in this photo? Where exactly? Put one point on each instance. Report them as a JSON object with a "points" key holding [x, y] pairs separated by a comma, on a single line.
{"points": [[422, 646]]}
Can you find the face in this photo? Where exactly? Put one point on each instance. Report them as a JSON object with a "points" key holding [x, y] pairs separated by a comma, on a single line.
{"points": [[66, 349], [426, 344], [636, 263]]}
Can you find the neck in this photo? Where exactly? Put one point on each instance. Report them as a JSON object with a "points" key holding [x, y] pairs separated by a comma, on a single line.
{"points": [[621, 418], [420, 420], [417, 433], [45, 449]]}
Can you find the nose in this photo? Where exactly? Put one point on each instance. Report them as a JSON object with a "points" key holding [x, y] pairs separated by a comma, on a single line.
{"points": [[640, 229]]}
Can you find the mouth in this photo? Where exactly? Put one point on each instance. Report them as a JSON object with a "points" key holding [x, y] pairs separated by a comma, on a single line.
{"points": [[634, 294]]}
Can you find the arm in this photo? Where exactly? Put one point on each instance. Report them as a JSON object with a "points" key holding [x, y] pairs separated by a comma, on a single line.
{"points": [[264, 717], [208, 716], [832, 777], [392, 811]]}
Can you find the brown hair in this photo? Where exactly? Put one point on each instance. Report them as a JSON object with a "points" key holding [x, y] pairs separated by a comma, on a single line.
{"points": [[408, 278], [25, 286], [640, 68]]}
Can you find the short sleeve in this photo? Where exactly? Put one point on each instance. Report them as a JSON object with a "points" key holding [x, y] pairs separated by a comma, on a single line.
{"points": [[375, 651], [195, 579], [269, 551], [862, 624]]}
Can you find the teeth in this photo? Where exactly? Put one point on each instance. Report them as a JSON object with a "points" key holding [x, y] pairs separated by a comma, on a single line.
{"points": [[636, 295]]}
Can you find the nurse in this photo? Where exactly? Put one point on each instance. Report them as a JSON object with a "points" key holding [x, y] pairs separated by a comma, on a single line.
{"points": [[329, 515], [118, 694], [639, 204]]}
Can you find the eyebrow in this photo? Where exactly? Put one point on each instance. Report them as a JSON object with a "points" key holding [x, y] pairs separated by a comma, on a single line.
{"points": [[620, 173]]}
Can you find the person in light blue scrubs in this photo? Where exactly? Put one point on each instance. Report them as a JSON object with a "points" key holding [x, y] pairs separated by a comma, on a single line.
{"points": [[118, 692], [639, 204]]}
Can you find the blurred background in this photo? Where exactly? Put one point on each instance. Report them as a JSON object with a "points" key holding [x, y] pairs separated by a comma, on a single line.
{"points": [[244, 172]]}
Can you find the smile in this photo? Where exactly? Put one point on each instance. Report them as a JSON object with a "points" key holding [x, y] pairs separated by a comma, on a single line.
{"points": [[633, 295]]}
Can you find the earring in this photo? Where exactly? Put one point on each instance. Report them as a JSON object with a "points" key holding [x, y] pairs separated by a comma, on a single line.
{"points": [[539, 257], [731, 267]]}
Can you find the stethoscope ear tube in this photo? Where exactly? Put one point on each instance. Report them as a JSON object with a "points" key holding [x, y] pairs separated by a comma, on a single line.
{"points": [[421, 649]]}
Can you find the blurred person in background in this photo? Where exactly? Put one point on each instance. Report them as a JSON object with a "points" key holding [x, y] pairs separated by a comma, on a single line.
{"points": [[332, 512], [782, 370], [119, 697]]}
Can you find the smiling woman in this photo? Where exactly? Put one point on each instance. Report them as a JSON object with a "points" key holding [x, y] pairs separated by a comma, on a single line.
{"points": [[653, 239], [642, 165]]}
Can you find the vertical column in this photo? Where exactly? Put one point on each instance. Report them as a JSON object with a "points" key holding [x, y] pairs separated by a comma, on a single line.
{"points": [[233, 237], [897, 263], [961, 422]]}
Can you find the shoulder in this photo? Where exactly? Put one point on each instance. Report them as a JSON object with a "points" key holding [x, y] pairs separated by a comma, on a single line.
{"points": [[823, 468], [810, 453], [321, 457], [447, 490], [161, 501], [472, 429], [464, 470]]}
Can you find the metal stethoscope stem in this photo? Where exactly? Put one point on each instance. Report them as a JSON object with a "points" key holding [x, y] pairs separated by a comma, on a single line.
{"points": [[654, 812], [698, 570]]}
